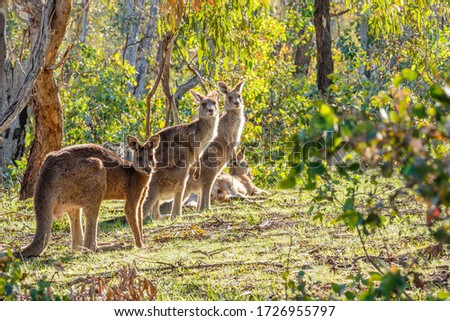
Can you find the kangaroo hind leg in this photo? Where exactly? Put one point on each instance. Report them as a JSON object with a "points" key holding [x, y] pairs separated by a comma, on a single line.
{"points": [[76, 228]]}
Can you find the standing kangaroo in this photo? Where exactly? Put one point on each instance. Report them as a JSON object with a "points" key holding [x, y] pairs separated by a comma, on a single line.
{"points": [[223, 148], [181, 146], [80, 177]]}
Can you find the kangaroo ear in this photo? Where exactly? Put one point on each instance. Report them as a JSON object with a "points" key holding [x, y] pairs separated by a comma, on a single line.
{"points": [[198, 97], [133, 142], [223, 87], [239, 86], [241, 154], [213, 94], [153, 141]]}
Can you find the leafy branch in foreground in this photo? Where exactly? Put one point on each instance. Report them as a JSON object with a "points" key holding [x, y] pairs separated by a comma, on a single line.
{"points": [[403, 136]]}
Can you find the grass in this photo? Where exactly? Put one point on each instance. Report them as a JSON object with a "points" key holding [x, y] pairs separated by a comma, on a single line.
{"points": [[238, 250]]}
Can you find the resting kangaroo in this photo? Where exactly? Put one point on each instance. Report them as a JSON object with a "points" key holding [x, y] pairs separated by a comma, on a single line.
{"points": [[80, 177], [181, 146], [223, 148], [238, 183]]}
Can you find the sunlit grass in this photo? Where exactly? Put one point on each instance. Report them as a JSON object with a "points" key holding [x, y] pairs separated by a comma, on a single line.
{"points": [[236, 251]]}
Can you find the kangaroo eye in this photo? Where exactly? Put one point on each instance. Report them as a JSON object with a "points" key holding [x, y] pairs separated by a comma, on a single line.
{"points": [[204, 105], [230, 98]]}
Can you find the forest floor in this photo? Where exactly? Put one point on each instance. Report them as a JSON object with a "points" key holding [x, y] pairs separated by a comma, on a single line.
{"points": [[239, 250]]}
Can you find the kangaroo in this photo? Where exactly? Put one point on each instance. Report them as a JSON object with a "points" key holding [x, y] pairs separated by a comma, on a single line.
{"points": [[237, 183], [181, 146], [223, 148], [240, 170], [80, 177]]}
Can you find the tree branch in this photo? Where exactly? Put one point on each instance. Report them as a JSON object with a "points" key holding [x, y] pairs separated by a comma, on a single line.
{"points": [[340, 13], [184, 88], [162, 62]]}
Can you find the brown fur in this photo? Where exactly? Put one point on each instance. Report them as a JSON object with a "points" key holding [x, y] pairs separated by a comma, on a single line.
{"points": [[223, 148], [238, 183], [235, 184], [181, 146], [78, 178]]}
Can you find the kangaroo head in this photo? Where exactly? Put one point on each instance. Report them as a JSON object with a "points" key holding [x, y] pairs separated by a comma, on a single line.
{"points": [[239, 165], [233, 97], [208, 106], [143, 157]]}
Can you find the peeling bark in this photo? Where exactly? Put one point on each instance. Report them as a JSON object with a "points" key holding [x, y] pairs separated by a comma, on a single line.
{"points": [[46, 104], [39, 34], [3, 14]]}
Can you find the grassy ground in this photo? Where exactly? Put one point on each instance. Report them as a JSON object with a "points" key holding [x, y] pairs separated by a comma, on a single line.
{"points": [[238, 250]]}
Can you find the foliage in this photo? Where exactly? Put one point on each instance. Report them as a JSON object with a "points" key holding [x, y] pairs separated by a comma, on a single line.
{"points": [[12, 283], [127, 286], [10, 277], [98, 106]]}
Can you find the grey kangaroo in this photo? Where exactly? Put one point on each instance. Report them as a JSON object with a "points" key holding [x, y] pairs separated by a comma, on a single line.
{"points": [[181, 146], [223, 148], [78, 178]]}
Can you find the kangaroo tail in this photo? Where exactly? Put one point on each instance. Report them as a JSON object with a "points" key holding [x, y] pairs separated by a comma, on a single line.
{"points": [[44, 208]]}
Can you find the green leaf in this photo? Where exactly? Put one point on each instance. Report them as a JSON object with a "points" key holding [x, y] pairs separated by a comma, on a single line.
{"points": [[349, 295], [373, 220], [349, 204], [338, 288], [439, 94], [409, 74], [443, 295], [288, 182], [419, 111], [398, 80], [354, 167]]}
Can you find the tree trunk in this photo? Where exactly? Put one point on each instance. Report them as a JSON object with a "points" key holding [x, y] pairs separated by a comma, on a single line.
{"points": [[133, 15], [145, 48], [165, 82], [14, 139], [301, 58], [3, 14], [13, 142], [323, 41], [364, 40], [46, 104], [18, 92], [84, 21]]}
